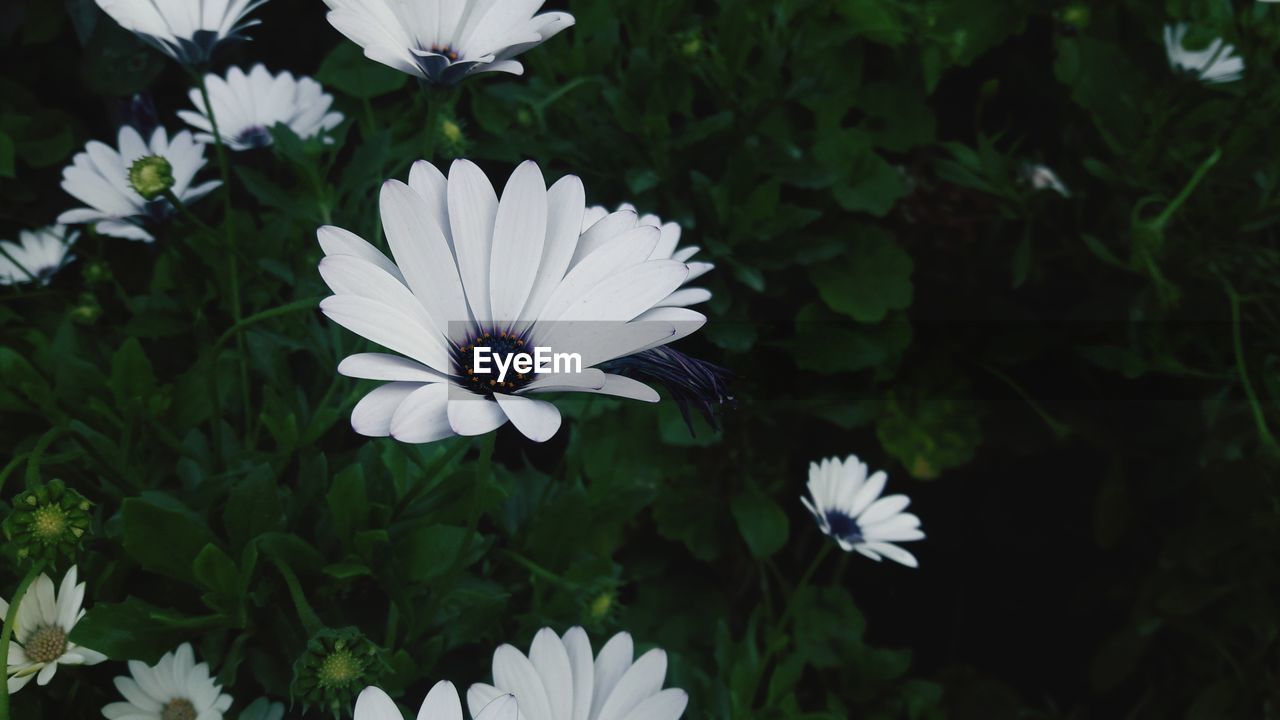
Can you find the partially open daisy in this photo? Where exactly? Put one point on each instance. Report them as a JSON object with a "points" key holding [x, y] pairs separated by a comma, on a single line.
{"points": [[442, 703], [186, 30], [41, 635], [559, 680], [443, 41], [1217, 63], [667, 248], [247, 106], [36, 256], [1042, 177], [99, 177], [477, 284], [176, 688], [848, 507]]}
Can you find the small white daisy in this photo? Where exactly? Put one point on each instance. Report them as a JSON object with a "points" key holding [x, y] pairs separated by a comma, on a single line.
{"points": [[665, 250], [848, 507], [442, 703], [1042, 177], [99, 177], [443, 41], [246, 107], [1214, 64], [176, 688], [186, 30], [502, 275], [44, 623], [559, 680], [37, 256]]}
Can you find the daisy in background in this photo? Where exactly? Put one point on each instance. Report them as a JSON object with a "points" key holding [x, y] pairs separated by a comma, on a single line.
{"points": [[44, 624], [186, 30], [1042, 177], [1214, 64], [247, 106], [99, 177], [442, 703], [665, 250], [444, 41], [848, 507], [473, 274], [37, 256], [559, 680], [176, 688]]}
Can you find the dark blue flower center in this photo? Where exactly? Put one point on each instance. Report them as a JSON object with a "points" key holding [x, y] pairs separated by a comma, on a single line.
{"points": [[843, 526], [503, 348], [255, 137]]}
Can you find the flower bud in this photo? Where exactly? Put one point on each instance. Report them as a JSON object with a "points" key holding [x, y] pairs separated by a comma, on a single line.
{"points": [[48, 522], [151, 176], [335, 667]]}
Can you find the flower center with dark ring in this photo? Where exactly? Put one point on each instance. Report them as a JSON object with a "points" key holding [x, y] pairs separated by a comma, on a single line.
{"points": [[446, 51], [255, 136], [502, 350], [844, 527]]}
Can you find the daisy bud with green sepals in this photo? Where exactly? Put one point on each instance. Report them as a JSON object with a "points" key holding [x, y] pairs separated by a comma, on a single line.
{"points": [[150, 176], [335, 667], [452, 141], [47, 522]]}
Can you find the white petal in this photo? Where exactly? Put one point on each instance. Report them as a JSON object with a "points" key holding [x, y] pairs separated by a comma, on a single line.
{"points": [[611, 664], [666, 705], [551, 660], [442, 703], [538, 420], [373, 704], [473, 206], [519, 233], [578, 647], [642, 680], [475, 416], [513, 672], [504, 707], [372, 416], [424, 257], [381, 366], [423, 416]]}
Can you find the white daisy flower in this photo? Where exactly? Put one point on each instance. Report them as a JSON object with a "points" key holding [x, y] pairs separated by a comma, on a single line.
{"points": [[442, 703], [1042, 177], [185, 30], [848, 507], [37, 256], [246, 107], [99, 177], [666, 250], [176, 688], [559, 680], [1214, 64], [475, 274], [40, 639], [443, 41]]}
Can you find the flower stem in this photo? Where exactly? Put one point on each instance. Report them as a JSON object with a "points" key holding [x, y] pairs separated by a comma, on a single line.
{"points": [[780, 628], [306, 615], [233, 269], [1237, 339], [10, 618]]}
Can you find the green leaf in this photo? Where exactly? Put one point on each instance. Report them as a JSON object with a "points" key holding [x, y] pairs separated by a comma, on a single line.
{"points": [[6, 156], [347, 70], [874, 187], [217, 572], [253, 507], [930, 429], [870, 281], [127, 631], [430, 552], [163, 536], [131, 375], [349, 503], [762, 523]]}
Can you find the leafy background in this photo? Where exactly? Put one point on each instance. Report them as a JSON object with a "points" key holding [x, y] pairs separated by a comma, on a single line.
{"points": [[1076, 392]]}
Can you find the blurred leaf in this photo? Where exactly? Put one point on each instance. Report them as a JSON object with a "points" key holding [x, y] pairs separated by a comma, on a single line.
{"points": [[874, 278], [347, 70], [762, 523]]}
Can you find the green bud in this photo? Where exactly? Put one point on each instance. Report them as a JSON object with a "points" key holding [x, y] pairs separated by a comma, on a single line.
{"points": [[452, 140], [87, 311], [96, 273], [48, 522], [151, 176], [335, 667], [1076, 16], [691, 45]]}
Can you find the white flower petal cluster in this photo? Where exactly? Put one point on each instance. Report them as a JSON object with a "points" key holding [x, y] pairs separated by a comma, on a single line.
{"points": [[247, 105], [37, 255], [1215, 64], [175, 687], [667, 249], [848, 507], [444, 41], [507, 274], [186, 30], [99, 177], [560, 680], [442, 703], [1042, 177], [41, 634]]}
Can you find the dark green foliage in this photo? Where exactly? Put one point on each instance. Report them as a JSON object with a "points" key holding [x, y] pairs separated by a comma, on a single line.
{"points": [[1089, 384]]}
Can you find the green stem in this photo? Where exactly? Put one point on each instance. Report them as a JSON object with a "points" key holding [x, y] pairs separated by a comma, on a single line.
{"points": [[1163, 218], [1237, 339], [17, 264], [420, 485], [295, 306], [310, 621], [433, 117], [776, 636], [9, 619], [233, 268], [189, 216]]}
